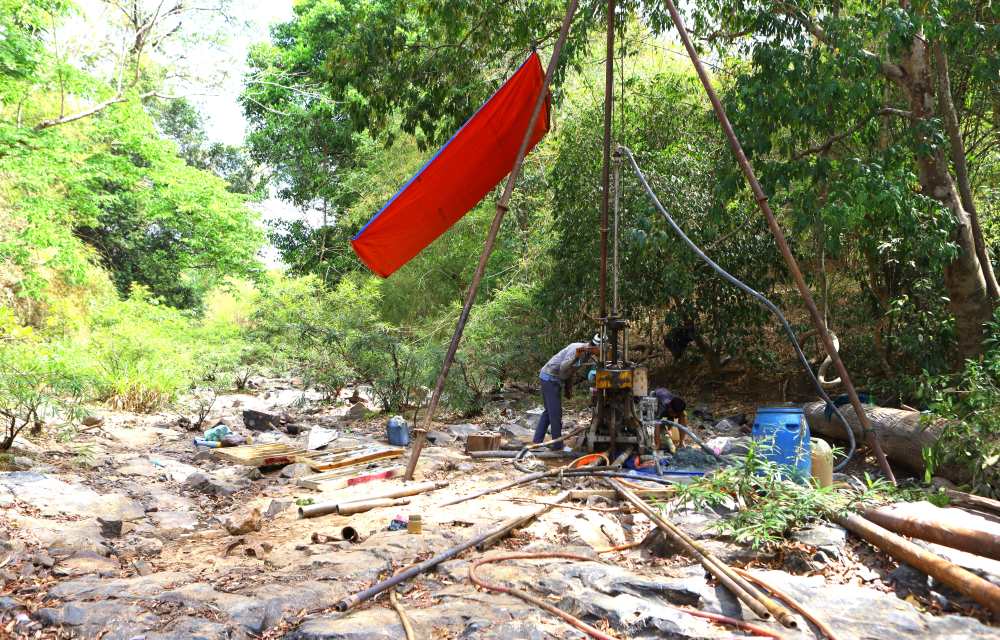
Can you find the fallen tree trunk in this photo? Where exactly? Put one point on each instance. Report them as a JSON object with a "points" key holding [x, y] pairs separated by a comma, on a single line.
{"points": [[901, 433], [949, 527]]}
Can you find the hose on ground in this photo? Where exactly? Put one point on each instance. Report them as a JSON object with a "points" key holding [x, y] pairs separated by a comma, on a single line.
{"points": [[403, 618], [698, 441], [759, 297]]}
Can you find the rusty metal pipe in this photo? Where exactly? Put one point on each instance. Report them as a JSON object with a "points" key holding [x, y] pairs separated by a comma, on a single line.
{"points": [[335, 506], [759, 603], [982, 591], [501, 209], [779, 237], [521, 521], [360, 506], [413, 571], [933, 525], [609, 103]]}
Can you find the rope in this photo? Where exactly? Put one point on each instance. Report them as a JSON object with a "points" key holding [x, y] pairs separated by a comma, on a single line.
{"points": [[759, 297]]}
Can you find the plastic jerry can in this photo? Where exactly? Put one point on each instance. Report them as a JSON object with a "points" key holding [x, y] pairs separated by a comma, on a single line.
{"points": [[398, 431], [822, 462], [784, 434]]}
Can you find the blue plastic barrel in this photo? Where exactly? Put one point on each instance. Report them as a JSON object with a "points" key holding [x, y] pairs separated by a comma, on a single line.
{"points": [[784, 434], [398, 431]]}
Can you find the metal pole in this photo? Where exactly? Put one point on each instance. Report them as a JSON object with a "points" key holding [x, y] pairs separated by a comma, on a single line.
{"points": [[493, 533], [614, 242], [609, 97], [758, 602], [779, 237], [470, 296]]}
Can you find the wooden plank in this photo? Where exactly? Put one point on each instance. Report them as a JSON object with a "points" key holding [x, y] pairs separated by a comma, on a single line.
{"points": [[347, 478], [260, 455], [321, 464]]}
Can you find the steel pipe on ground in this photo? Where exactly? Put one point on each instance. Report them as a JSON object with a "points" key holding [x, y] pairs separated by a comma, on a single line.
{"points": [[949, 527], [493, 533], [982, 591], [759, 603]]}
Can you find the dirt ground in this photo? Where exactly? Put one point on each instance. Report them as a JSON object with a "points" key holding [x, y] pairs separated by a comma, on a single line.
{"points": [[127, 532]]}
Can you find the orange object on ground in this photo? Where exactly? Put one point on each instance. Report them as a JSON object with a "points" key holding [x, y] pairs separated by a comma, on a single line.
{"points": [[459, 175]]}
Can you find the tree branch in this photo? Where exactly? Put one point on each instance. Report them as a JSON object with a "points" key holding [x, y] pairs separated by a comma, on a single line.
{"points": [[889, 69], [97, 108], [832, 140]]}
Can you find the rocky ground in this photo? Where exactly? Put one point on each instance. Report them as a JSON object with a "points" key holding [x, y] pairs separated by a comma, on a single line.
{"points": [[128, 532]]}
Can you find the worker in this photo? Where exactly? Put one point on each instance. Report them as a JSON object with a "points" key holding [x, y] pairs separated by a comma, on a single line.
{"points": [[673, 408], [557, 378]]}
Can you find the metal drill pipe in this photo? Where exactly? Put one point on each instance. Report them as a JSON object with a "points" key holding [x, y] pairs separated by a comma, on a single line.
{"points": [[779, 237], [609, 97], [414, 570], [982, 591], [759, 603], [501, 209]]}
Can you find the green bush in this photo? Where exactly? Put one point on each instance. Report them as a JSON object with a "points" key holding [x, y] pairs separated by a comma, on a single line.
{"points": [[969, 404], [39, 383]]}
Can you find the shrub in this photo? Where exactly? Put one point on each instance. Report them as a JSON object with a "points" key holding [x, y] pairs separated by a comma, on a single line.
{"points": [[142, 353], [970, 408], [37, 383]]}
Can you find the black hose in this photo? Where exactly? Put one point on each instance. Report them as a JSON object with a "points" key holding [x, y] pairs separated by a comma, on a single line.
{"points": [[698, 441], [767, 304]]}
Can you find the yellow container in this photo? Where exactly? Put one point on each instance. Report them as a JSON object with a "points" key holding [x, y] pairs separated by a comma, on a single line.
{"points": [[822, 462], [415, 524]]}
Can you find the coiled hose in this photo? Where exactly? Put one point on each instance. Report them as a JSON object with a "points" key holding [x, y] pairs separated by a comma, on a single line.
{"points": [[767, 304]]}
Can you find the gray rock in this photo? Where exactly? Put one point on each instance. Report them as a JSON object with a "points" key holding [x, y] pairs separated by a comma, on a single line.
{"points": [[87, 563], [189, 628], [368, 624], [516, 431], [8, 604], [90, 619], [134, 588], [54, 497], [906, 580], [243, 521], [440, 437], [212, 484], [142, 567], [23, 463], [111, 528], [276, 507], [296, 470], [828, 538], [172, 524], [462, 431], [204, 455]]}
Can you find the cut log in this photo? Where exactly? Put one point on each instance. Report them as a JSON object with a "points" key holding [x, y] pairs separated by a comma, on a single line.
{"points": [[902, 434], [949, 527]]}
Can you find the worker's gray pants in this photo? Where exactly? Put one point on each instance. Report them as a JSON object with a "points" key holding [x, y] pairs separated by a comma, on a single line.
{"points": [[552, 415]]}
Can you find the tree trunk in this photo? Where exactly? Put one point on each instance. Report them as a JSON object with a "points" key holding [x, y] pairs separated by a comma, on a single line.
{"points": [[964, 280], [951, 125]]}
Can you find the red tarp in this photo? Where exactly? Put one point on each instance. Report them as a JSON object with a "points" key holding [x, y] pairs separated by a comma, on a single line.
{"points": [[459, 175]]}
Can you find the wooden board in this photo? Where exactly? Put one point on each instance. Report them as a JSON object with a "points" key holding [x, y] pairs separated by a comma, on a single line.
{"points": [[348, 477], [339, 460], [260, 455]]}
